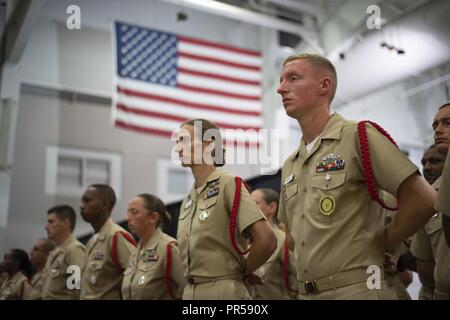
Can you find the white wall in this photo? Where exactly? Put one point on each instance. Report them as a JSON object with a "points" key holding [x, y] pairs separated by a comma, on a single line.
{"points": [[406, 116], [80, 61]]}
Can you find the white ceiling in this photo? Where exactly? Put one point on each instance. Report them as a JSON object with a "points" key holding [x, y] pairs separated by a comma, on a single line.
{"points": [[423, 34]]}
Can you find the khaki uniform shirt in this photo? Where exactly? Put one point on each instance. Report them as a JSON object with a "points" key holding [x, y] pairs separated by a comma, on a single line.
{"points": [[2, 278], [55, 286], [335, 223], [102, 278], [15, 288], [391, 273], [203, 228], [429, 245], [272, 273], [145, 277], [443, 198], [37, 281]]}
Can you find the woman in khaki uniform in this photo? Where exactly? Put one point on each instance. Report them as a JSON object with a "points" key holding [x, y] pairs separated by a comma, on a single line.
{"points": [[208, 235], [18, 269], [154, 271]]}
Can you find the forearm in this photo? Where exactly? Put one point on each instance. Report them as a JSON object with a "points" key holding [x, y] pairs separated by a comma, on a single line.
{"points": [[289, 237], [425, 269], [257, 256], [417, 199], [263, 245]]}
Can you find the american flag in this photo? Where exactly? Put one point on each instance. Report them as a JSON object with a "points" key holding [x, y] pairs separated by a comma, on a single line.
{"points": [[163, 79]]}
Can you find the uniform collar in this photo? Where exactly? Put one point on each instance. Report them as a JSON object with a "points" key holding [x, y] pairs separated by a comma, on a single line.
{"points": [[104, 229], [332, 131], [67, 242], [16, 277], [154, 240], [37, 277], [213, 176]]}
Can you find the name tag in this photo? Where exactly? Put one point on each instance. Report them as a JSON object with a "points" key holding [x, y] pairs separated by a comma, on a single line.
{"points": [[289, 179], [188, 204]]}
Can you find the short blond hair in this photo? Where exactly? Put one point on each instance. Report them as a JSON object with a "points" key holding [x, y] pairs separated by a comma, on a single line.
{"points": [[318, 61], [205, 125]]}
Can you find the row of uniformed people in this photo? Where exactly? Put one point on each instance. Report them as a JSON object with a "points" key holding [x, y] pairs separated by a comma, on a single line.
{"points": [[15, 272], [147, 271], [330, 189], [331, 185], [429, 244], [113, 267]]}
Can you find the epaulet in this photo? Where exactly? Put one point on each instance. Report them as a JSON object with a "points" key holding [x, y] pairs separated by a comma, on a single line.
{"points": [[114, 252]]}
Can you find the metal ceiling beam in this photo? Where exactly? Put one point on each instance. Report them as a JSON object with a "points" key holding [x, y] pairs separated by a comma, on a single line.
{"points": [[232, 12], [297, 6], [19, 27]]}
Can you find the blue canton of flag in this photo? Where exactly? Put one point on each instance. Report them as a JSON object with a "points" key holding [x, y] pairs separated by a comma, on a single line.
{"points": [[162, 79]]}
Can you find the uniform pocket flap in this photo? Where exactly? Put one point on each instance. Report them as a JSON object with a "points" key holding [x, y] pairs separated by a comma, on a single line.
{"points": [[147, 266], [434, 225], [290, 190], [208, 203], [185, 209], [328, 181], [96, 265]]}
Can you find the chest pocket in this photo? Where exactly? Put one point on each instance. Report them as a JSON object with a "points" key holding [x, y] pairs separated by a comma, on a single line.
{"points": [[290, 189], [146, 272], [148, 267], [208, 203], [184, 212], [96, 265], [55, 272], [319, 181], [130, 268], [434, 225], [55, 268]]}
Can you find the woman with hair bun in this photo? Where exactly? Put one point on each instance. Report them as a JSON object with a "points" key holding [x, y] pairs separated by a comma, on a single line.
{"points": [[154, 272], [218, 220]]}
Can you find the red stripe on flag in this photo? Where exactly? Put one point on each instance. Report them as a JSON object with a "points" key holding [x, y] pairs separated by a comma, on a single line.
{"points": [[167, 116], [124, 125], [219, 46], [216, 76], [218, 61], [243, 144], [217, 92], [184, 103]]}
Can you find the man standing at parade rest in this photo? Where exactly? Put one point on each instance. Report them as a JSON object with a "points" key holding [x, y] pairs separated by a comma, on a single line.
{"points": [[339, 231]]}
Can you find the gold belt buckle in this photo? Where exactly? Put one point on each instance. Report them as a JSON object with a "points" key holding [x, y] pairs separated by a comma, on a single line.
{"points": [[311, 287]]}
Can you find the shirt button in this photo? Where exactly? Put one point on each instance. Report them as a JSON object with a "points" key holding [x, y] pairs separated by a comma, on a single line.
{"points": [[303, 243], [305, 271], [304, 189], [303, 216]]}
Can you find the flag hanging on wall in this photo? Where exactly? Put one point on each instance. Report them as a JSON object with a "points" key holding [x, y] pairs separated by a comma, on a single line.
{"points": [[163, 79]]}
